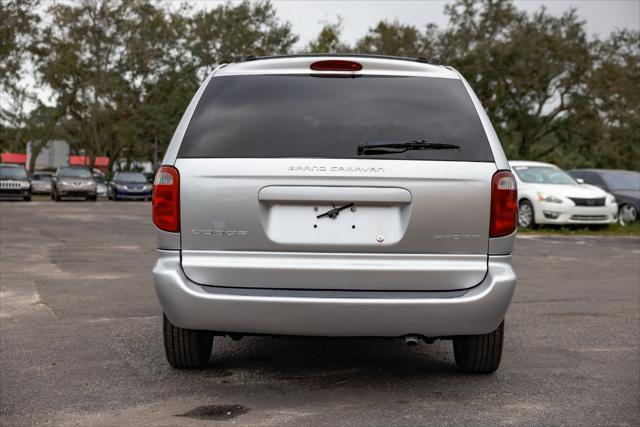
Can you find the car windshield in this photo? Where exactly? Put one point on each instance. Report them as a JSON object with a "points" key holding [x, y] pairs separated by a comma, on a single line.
{"points": [[41, 177], [622, 180], [543, 175], [131, 177], [16, 173], [74, 173]]}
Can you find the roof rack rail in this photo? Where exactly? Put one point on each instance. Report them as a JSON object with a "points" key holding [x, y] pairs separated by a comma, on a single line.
{"points": [[431, 61]]}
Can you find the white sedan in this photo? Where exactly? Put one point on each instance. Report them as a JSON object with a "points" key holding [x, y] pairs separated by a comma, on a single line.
{"points": [[548, 195]]}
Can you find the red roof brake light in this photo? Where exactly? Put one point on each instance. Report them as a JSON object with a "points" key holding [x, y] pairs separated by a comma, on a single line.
{"points": [[504, 204], [336, 65], [166, 199]]}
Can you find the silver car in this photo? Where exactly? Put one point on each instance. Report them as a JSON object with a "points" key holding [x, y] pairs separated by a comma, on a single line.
{"points": [[41, 182], [73, 182], [353, 196]]}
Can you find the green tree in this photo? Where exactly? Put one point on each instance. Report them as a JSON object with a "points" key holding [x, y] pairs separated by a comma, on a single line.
{"points": [[17, 37], [329, 40], [527, 70], [396, 39]]}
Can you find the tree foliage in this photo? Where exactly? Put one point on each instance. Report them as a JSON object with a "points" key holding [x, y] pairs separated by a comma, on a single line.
{"points": [[121, 72]]}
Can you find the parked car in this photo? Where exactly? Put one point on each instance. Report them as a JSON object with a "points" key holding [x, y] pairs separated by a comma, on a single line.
{"points": [[73, 182], [623, 184], [41, 182], [129, 185], [101, 185], [14, 183], [548, 195], [297, 199]]}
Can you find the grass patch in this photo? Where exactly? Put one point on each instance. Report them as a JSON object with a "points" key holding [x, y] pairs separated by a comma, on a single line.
{"points": [[582, 230]]}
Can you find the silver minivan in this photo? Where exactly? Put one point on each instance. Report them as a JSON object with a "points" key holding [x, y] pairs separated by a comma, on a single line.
{"points": [[335, 195]]}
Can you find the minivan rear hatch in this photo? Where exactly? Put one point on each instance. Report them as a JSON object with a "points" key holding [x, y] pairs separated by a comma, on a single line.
{"points": [[275, 195]]}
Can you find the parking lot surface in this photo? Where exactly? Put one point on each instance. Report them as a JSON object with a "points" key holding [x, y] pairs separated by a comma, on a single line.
{"points": [[80, 341]]}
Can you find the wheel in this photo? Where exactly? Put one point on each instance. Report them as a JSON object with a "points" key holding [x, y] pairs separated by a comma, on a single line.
{"points": [[526, 215], [479, 354], [186, 348], [627, 214], [27, 198], [57, 197], [93, 198]]}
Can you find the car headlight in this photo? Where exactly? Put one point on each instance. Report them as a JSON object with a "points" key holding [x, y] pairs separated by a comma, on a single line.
{"points": [[63, 182], [543, 197], [25, 184], [611, 200], [147, 187]]}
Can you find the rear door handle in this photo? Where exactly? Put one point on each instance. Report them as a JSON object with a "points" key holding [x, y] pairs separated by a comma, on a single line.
{"points": [[383, 195]]}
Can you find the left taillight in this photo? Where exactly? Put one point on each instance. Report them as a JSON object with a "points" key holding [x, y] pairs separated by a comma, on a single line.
{"points": [[166, 199], [504, 204]]}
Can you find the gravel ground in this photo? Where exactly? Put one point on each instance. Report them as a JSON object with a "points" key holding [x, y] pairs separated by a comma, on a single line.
{"points": [[80, 341]]}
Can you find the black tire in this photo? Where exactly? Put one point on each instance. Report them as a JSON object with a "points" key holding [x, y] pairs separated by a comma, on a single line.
{"points": [[479, 354], [57, 197], [186, 348], [523, 207], [627, 214], [27, 198], [92, 198]]}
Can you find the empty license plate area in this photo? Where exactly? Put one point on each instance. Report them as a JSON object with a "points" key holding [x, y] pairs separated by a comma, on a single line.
{"points": [[345, 216]]}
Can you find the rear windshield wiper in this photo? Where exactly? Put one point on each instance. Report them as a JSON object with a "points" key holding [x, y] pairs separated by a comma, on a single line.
{"points": [[401, 147]]}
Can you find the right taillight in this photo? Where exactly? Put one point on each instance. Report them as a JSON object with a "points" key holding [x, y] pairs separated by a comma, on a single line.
{"points": [[166, 199], [504, 204]]}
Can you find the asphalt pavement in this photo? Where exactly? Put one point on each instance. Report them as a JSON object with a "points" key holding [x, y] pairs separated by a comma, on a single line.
{"points": [[80, 341]]}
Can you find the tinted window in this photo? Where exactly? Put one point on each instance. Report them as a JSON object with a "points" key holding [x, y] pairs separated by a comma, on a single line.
{"points": [[543, 175], [593, 179], [305, 116], [15, 173], [622, 180], [74, 173], [131, 177]]}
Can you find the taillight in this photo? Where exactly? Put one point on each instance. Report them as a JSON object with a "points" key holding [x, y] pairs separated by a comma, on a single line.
{"points": [[504, 204], [166, 199], [336, 65]]}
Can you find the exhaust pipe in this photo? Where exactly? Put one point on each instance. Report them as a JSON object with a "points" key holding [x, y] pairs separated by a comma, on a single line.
{"points": [[411, 340]]}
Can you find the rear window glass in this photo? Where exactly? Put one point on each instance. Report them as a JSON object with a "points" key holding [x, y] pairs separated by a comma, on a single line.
{"points": [[328, 117]]}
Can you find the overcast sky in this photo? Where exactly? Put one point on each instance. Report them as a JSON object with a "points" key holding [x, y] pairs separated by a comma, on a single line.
{"points": [[307, 17]]}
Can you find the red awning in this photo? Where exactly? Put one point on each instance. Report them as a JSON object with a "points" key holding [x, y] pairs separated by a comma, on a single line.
{"points": [[13, 158], [84, 161]]}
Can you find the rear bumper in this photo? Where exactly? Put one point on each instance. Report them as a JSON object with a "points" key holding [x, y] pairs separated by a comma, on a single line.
{"points": [[477, 310]]}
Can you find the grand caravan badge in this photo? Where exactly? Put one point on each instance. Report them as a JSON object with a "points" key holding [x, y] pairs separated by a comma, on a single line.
{"points": [[347, 169]]}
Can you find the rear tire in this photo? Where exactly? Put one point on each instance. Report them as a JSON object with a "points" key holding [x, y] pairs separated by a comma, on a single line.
{"points": [[186, 348], [479, 354]]}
